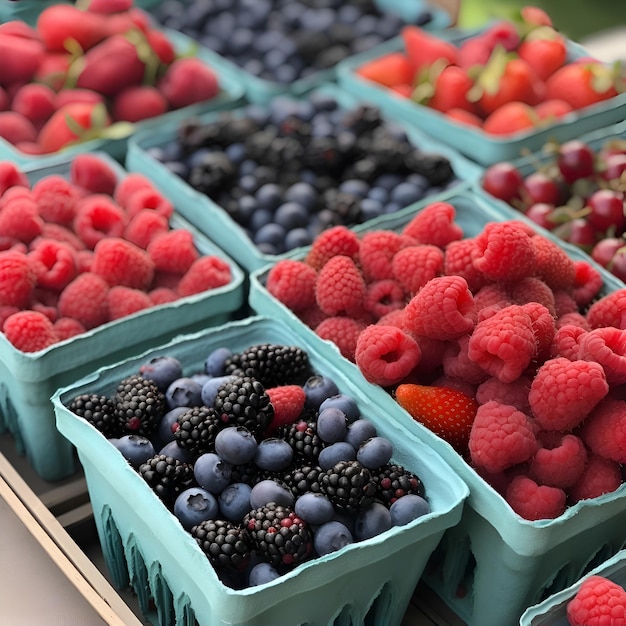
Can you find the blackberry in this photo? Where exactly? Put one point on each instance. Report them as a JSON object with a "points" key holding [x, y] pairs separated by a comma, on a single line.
{"points": [[394, 481], [436, 168], [303, 438], [139, 405], [349, 486], [167, 476], [271, 364], [99, 411], [197, 430], [303, 479], [247, 473], [244, 402], [279, 536], [227, 545]]}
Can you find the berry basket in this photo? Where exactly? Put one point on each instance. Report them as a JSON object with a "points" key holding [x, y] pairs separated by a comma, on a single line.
{"points": [[30, 378], [493, 552], [371, 581], [474, 143], [213, 219]]}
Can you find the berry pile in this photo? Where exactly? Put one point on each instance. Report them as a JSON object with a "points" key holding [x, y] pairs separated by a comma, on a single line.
{"points": [[500, 343], [597, 600], [510, 78], [578, 193], [284, 40], [81, 250], [287, 171], [265, 472], [86, 73]]}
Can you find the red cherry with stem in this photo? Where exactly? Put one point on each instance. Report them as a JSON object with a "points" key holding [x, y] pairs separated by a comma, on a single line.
{"points": [[614, 166], [606, 210], [503, 180], [579, 232], [540, 213], [539, 187], [575, 160], [605, 250], [617, 266]]}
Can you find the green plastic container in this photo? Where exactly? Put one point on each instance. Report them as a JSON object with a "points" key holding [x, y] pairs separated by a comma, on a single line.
{"points": [[369, 582], [28, 379], [494, 564]]}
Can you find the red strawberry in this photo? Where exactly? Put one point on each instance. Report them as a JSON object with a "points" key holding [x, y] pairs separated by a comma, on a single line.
{"points": [[424, 48], [503, 33], [188, 80], [447, 412], [18, 28], [474, 51], [60, 23], [162, 46], [544, 50], [535, 16], [70, 96], [510, 118], [388, 70], [131, 20], [21, 57], [52, 69], [552, 109], [16, 128], [449, 90], [465, 117], [35, 102], [5, 101], [137, 103], [107, 7]]}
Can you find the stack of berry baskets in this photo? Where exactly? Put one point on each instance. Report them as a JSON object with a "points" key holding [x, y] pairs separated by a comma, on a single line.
{"points": [[100, 265], [352, 555], [458, 263], [73, 101], [470, 104], [278, 174], [291, 47]]}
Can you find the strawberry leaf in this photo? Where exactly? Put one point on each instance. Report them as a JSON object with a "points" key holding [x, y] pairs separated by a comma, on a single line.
{"points": [[99, 117], [74, 126], [118, 130]]}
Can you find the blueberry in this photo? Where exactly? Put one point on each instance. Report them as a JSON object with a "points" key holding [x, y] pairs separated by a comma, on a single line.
{"points": [[234, 501], [407, 508], [303, 194], [314, 508], [354, 187], [406, 193], [393, 207], [162, 370], [211, 387], [201, 378], [297, 238], [195, 505], [375, 452], [291, 215], [248, 183], [273, 454], [215, 362], [134, 448], [380, 194], [331, 425], [212, 472], [235, 445], [331, 454], [359, 431], [372, 521], [247, 206], [371, 209], [183, 391], [236, 152], [345, 403], [260, 218], [270, 491], [388, 181], [262, 573], [269, 196], [176, 452], [169, 424], [316, 389], [240, 41], [330, 537], [272, 234]]}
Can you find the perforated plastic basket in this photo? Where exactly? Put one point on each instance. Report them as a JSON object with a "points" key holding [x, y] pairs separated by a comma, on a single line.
{"points": [[213, 220], [367, 582], [474, 143], [494, 564], [28, 379]]}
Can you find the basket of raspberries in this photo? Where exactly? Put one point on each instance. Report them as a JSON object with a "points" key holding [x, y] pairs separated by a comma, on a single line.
{"points": [[271, 479], [94, 263], [501, 346]]}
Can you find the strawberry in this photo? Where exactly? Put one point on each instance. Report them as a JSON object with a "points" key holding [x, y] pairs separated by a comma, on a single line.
{"points": [[535, 16], [106, 7], [137, 103], [60, 24], [15, 128], [465, 117], [70, 96], [187, 81], [474, 51], [52, 69], [448, 91], [21, 57], [424, 48], [35, 102], [5, 101], [503, 33], [388, 70], [550, 110], [544, 50], [447, 412], [162, 46], [511, 118], [133, 19], [18, 28]]}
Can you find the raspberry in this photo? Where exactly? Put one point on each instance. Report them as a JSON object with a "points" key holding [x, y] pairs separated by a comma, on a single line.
{"points": [[174, 251], [92, 173], [573, 319], [610, 310], [62, 234], [531, 289], [343, 332], [56, 199], [564, 303], [54, 263], [340, 287], [162, 295], [383, 296], [5, 311], [552, 264], [543, 326], [288, 402], [455, 383], [600, 476], [604, 431], [456, 363], [207, 272], [84, 259], [17, 279], [128, 185], [432, 353], [587, 283], [504, 251], [15, 192], [598, 601], [434, 225], [151, 199], [534, 502], [514, 393], [85, 299], [385, 354], [504, 344], [123, 301], [312, 316], [29, 331], [332, 242], [414, 266], [393, 318], [490, 296], [501, 437], [442, 309], [292, 283], [11, 175], [560, 465], [120, 262], [376, 253], [566, 342], [67, 327], [606, 346], [144, 227], [97, 218], [20, 219], [458, 262]]}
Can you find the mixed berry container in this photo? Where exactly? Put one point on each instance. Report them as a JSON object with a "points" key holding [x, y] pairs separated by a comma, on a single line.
{"points": [[474, 143], [494, 563], [30, 378], [367, 582]]}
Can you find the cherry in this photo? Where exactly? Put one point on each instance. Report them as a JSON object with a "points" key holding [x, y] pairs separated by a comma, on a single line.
{"points": [[539, 187], [610, 253], [614, 166], [575, 160], [607, 210], [503, 180], [540, 213], [578, 232]]}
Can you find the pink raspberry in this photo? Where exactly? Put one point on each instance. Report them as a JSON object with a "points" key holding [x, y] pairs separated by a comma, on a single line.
{"points": [[29, 331], [144, 227], [534, 502], [432, 353], [335, 241], [456, 363], [98, 218], [606, 346], [56, 199], [340, 287], [393, 318], [206, 273], [120, 262], [600, 476], [60, 233], [128, 185], [455, 383], [54, 263], [85, 299], [162, 295], [148, 199], [20, 219], [552, 264], [531, 289], [587, 283], [566, 342], [343, 332], [514, 393], [458, 262], [11, 175], [15, 192], [604, 431], [443, 309], [292, 282], [559, 465], [573, 319], [84, 260], [288, 402], [491, 296], [376, 253], [564, 303], [93, 174], [68, 327], [385, 354], [312, 316], [434, 225], [610, 310], [5, 311], [504, 344], [174, 251], [383, 296], [414, 266], [123, 301], [543, 327], [17, 279], [504, 251], [501, 437], [598, 601]]}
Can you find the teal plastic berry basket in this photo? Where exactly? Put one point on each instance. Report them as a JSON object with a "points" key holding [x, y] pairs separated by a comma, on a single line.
{"points": [[214, 221], [474, 143], [369, 582], [494, 564], [28, 379], [553, 610], [231, 94]]}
